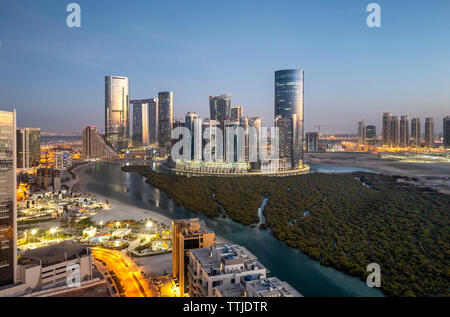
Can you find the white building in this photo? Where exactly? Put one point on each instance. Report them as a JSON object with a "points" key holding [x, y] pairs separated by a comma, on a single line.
{"points": [[63, 160], [220, 265]]}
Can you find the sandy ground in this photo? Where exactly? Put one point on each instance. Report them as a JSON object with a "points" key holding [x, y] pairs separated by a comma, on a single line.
{"points": [[436, 176]]}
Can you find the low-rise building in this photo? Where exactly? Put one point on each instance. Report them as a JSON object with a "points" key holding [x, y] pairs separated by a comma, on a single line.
{"points": [[221, 265]]}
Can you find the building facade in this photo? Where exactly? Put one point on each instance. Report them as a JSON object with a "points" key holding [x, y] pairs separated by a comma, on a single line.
{"points": [[28, 147], [289, 103], [446, 132], [404, 131], [220, 107], [395, 131], [63, 160], [187, 234], [236, 113], [429, 132], [415, 132], [117, 112], [140, 125], [8, 192], [386, 133], [312, 142], [371, 135], [165, 119], [94, 146], [362, 132]]}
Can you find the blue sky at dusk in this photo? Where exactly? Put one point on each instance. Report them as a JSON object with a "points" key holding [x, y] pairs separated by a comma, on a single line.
{"points": [[54, 75]]}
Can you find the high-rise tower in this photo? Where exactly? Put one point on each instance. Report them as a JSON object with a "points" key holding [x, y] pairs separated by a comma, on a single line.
{"points": [[117, 112], [165, 119], [8, 194], [289, 91], [429, 132]]}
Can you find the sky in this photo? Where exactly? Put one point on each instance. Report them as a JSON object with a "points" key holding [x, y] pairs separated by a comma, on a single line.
{"points": [[53, 75]]}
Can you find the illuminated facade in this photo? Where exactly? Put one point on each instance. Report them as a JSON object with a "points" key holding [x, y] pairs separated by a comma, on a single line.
{"points": [[140, 125], [8, 186], [289, 102], [395, 131], [192, 122], [94, 146], [117, 112], [28, 147], [187, 234], [371, 135], [165, 121], [362, 132]]}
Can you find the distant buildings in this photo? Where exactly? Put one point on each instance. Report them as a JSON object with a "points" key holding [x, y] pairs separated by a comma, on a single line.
{"points": [[371, 135], [94, 146], [386, 132], [165, 121], [446, 131], [404, 131], [153, 121], [8, 204], [236, 113], [220, 107], [429, 132], [187, 235], [28, 147], [395, 131], [362, 132], [63, 160], [140, 124], [193, 123], [312, 142], [415, 132], [289, 106], [48, 179], [117, 112]]}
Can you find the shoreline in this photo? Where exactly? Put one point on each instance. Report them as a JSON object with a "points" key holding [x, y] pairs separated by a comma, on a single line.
{"points": [[116, 211]]}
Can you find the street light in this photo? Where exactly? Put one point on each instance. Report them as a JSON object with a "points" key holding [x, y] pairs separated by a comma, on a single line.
{"points": [[52, 231], [117, 224], [148, 224]]}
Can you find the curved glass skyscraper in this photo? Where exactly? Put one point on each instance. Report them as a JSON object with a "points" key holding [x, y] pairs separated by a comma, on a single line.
{"points": [[289, 105], [117, 112]]}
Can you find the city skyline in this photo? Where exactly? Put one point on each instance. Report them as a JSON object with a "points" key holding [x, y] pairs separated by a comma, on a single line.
{"points": [[369, 72]]}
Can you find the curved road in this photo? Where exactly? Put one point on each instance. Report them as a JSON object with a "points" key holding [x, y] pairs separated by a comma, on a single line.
{"points": [[133, 283]]}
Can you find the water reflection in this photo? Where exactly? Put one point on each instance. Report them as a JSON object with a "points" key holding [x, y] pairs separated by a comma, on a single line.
{"points": [[306, 275]]}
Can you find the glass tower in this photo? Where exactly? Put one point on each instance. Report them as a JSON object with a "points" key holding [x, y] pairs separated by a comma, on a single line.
{"points": [[289, 92], [117, 112], [165, 118], [8, 189], [28, 147]]}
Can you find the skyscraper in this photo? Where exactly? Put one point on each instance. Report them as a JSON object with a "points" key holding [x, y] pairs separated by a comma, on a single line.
{"points": [[165, 119], [395, 131], [191, 119], [386, 133], [429, 132], [362, 132], [117, 112], [220, 107], [140, 123], [415, 132], [8, 192], [252, 140], [446, 132], [371, 134], [236, 113], [153, 120], [312, 141], [28, 147], [404, 131], [289, 91]]}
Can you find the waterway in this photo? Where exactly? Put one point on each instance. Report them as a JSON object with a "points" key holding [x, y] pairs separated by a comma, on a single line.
{"points": [[307, 276]]}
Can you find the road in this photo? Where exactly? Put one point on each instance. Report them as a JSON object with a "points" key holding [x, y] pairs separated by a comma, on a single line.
{"points": [[133, 283]]}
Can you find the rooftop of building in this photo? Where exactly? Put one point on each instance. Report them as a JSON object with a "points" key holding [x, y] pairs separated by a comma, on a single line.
{"points": [[231, 290], [226, 258], [192, 227], [53, 254], [270, 287]]}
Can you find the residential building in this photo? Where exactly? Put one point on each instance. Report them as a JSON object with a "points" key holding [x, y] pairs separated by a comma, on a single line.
{"points": [[446, 132], [429, 132], [165, 121], [415, 132], [404, 131], [386, 133], [187, 235], [371, 135], [94, 146], [236, 113], [362, 132], [312, 142], [28, 147]]}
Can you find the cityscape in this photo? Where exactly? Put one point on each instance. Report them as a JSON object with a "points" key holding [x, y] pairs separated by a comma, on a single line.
{"points": [[153, 199]]}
